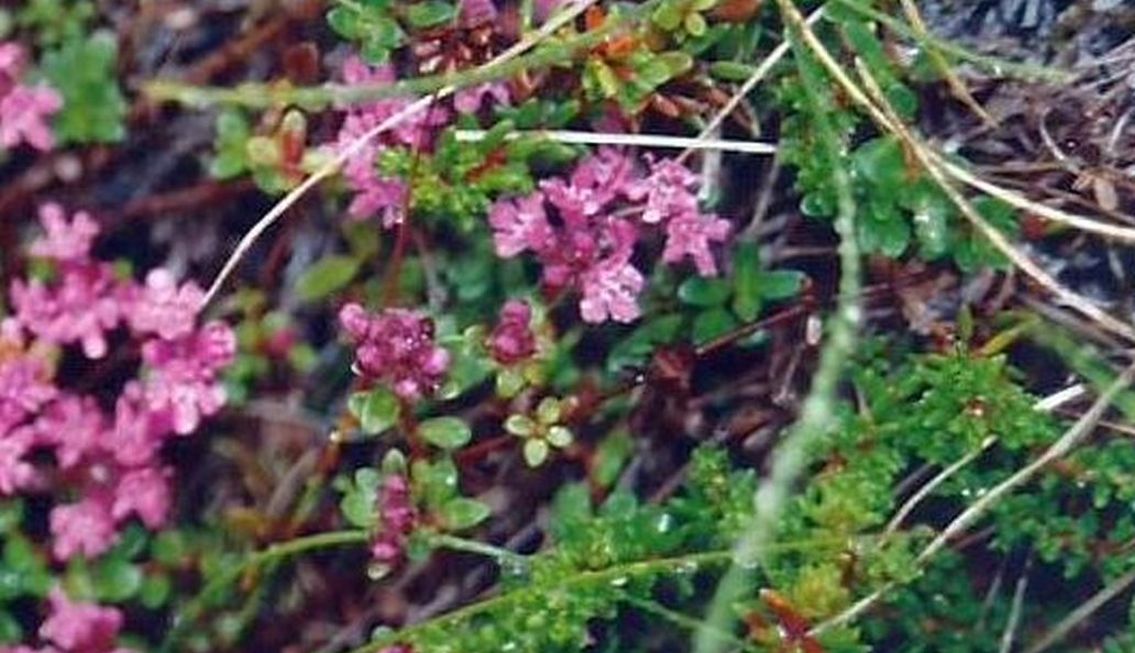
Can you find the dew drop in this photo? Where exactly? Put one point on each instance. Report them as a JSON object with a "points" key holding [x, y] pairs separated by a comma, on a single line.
{"points": [[378, 570]]}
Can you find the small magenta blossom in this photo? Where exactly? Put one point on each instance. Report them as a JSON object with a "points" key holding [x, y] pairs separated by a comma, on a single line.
{"points": [[584, 229], [470, 99], [396, 347], [25, 387], [109, 461], [16, 473], [610, 291], [376, 194], [184, 380], [143, 492], [593, 185], [668, 191], [477, 12], [80, 627], [85, 528], [24, 110], [24, 115], [690, 235], [521, 225], [80, 307], [64, 240], [138, 432], [75, 426], [162, 307], [397, 520], [512, 340]]}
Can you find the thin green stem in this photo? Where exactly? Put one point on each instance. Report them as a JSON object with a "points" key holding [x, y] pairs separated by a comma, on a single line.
{"points": [[275, 552], [575, 583], [994, 65], [266, 95], [454, 543], [817, 413]]}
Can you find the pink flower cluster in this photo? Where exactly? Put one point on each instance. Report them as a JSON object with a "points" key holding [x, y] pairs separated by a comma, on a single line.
{"points": [[74, 627], [396, 347], [24, 109], [110, 458], [397, 519], [600, 213], [513, 340], [375, 193]]}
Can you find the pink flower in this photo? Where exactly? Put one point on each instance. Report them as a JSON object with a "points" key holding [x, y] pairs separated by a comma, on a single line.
{"points": [[64, 241], [545, 8], [146, 493], [13, 57], [397, 519], [520, 225], [610, 290], [184, 375], [137, 433], [470, 99], [690, 234], [397, 347], [23, 115], [75, 426], [513, 340], [85, 528], [163, 308], [78, 308], [376, 193], [594, 184], [477, 12], [667, 191], [80, 627], [16, 473], [25, 386]]}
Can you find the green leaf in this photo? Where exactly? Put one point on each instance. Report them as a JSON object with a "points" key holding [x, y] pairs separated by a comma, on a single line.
{"points": [[84, 71], [521, 425], [461, 513], [747, 297], [695, 24], [638, 346], [704, 291], [170, 548], [711, 324], [445, 432], [881, 162], [731, 71], [156, 589], [344, 21], [668, 15], [560, 436], [358, 504], [781, 284], [611, 456], [430, 13], [327, 276], [436, 481], [115, 579], [535, 452], [10, 630], [676, 61], [881, 228], [11, 514], [376, 410]]}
